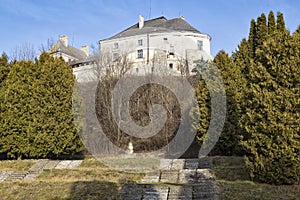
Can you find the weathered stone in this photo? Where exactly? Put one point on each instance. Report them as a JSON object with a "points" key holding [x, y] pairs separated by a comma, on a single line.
{"points": [[4, 175], [191, 164], [165, 164], [205, 163], [169, 176], [39, 165], [16, 176], [32, 175], [51, 164], [132, 192], [63, 164], [178, 164], [187, 176], [74, 164], [180, 192], [152, 177]]}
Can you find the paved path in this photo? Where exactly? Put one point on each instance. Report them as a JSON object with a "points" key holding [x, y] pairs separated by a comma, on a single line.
{"points": [[36, 169], [176, 179]]}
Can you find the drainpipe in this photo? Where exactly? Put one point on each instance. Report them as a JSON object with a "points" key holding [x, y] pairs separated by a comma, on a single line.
{"points": [[147, 49]]}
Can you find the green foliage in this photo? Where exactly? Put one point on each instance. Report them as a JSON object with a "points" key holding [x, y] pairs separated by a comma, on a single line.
{"points": [[271, 23], [280, 23], [234, 82], [36, 110], [4, 68], [262, 83]]}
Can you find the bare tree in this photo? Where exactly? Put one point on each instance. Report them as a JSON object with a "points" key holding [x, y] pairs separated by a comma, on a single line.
{"points": [[25, 51], [46, 47]]}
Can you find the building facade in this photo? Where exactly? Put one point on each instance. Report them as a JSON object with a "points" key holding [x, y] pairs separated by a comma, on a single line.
{"points": [[149, 44]]}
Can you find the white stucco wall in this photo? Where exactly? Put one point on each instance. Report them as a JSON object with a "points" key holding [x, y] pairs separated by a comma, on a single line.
{"points": [[181, 43]]}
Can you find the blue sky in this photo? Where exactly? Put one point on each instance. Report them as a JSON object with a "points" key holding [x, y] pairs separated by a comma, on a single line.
{"points": [[88, 21]]}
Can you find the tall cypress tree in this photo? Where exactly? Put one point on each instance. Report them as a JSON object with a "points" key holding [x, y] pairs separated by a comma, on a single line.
{"points": [[261, 29], [36, 110], [271, 23], [234, 83], [271, 135], [252, 38], [4, 68], [280, 23]]}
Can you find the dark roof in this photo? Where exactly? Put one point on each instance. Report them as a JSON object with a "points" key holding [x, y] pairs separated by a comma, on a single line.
{"points": [[69, 50], [160, 24]]}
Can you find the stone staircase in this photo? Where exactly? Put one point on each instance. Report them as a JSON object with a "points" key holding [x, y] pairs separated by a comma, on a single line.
{"points": [[36, 169], [176, 179]]}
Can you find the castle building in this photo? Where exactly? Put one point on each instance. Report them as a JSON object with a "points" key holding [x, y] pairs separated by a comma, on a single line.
{"points": [[150, 45], [175, 41]]}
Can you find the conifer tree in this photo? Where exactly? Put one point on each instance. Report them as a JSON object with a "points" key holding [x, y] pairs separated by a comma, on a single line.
{"points": [[252, 38], [261, 29], [234, 84], [271, 23], [271, 136], [280, 23], [36, 110], [4, 68]]}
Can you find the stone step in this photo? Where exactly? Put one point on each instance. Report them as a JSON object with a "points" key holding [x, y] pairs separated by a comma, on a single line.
{"points": [[51, 164], [132, 192], [169, 176], [180, 192], [39, 165], [155, 192], [32, 175], [4, 175], [16, 176]]}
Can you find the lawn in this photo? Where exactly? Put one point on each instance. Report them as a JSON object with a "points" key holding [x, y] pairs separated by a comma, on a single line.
{"points": [[95, 180]]}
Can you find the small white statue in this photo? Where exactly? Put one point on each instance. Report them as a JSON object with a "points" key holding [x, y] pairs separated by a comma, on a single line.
{"points": [[130, 148]]}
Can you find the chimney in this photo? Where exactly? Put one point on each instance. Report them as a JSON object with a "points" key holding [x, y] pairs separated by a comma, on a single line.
{"points": [[64, 40], [141, 21], [85, 49]]}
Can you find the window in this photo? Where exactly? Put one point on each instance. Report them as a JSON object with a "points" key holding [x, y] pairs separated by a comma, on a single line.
{"points": [[140, 42], [116, 45], [115, 56], [200, 45], [171, 65], [165, 38], [172, 51], [137, 70], [140, 53]]}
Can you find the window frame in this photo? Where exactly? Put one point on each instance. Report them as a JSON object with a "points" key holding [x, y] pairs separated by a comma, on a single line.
{"points": [[200, 45], [140, 42], [116, 45], [140, 53]]}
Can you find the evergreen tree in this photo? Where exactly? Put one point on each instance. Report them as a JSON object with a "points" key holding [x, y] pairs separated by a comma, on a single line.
{"points": [[271, 136], [269, 104], [36, 110], [271, 23], [261, 30], [234, 83], [4, 68], [252, 38], [280, 23]]}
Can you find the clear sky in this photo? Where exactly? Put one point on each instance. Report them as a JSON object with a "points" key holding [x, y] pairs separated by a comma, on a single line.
{"points": [[88, 21]]}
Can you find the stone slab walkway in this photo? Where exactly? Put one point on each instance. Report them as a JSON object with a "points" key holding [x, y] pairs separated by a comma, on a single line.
{"points": [[36, 169], [176, 179]]}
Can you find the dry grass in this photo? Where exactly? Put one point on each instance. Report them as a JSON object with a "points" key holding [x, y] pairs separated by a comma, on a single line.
{"points": [[91, 180], [234, 183], [247, 190], [94, 180], [16, 165]]}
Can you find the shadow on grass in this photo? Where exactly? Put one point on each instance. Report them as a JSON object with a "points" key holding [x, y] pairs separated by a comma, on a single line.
{"points": [[94, 190]]}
